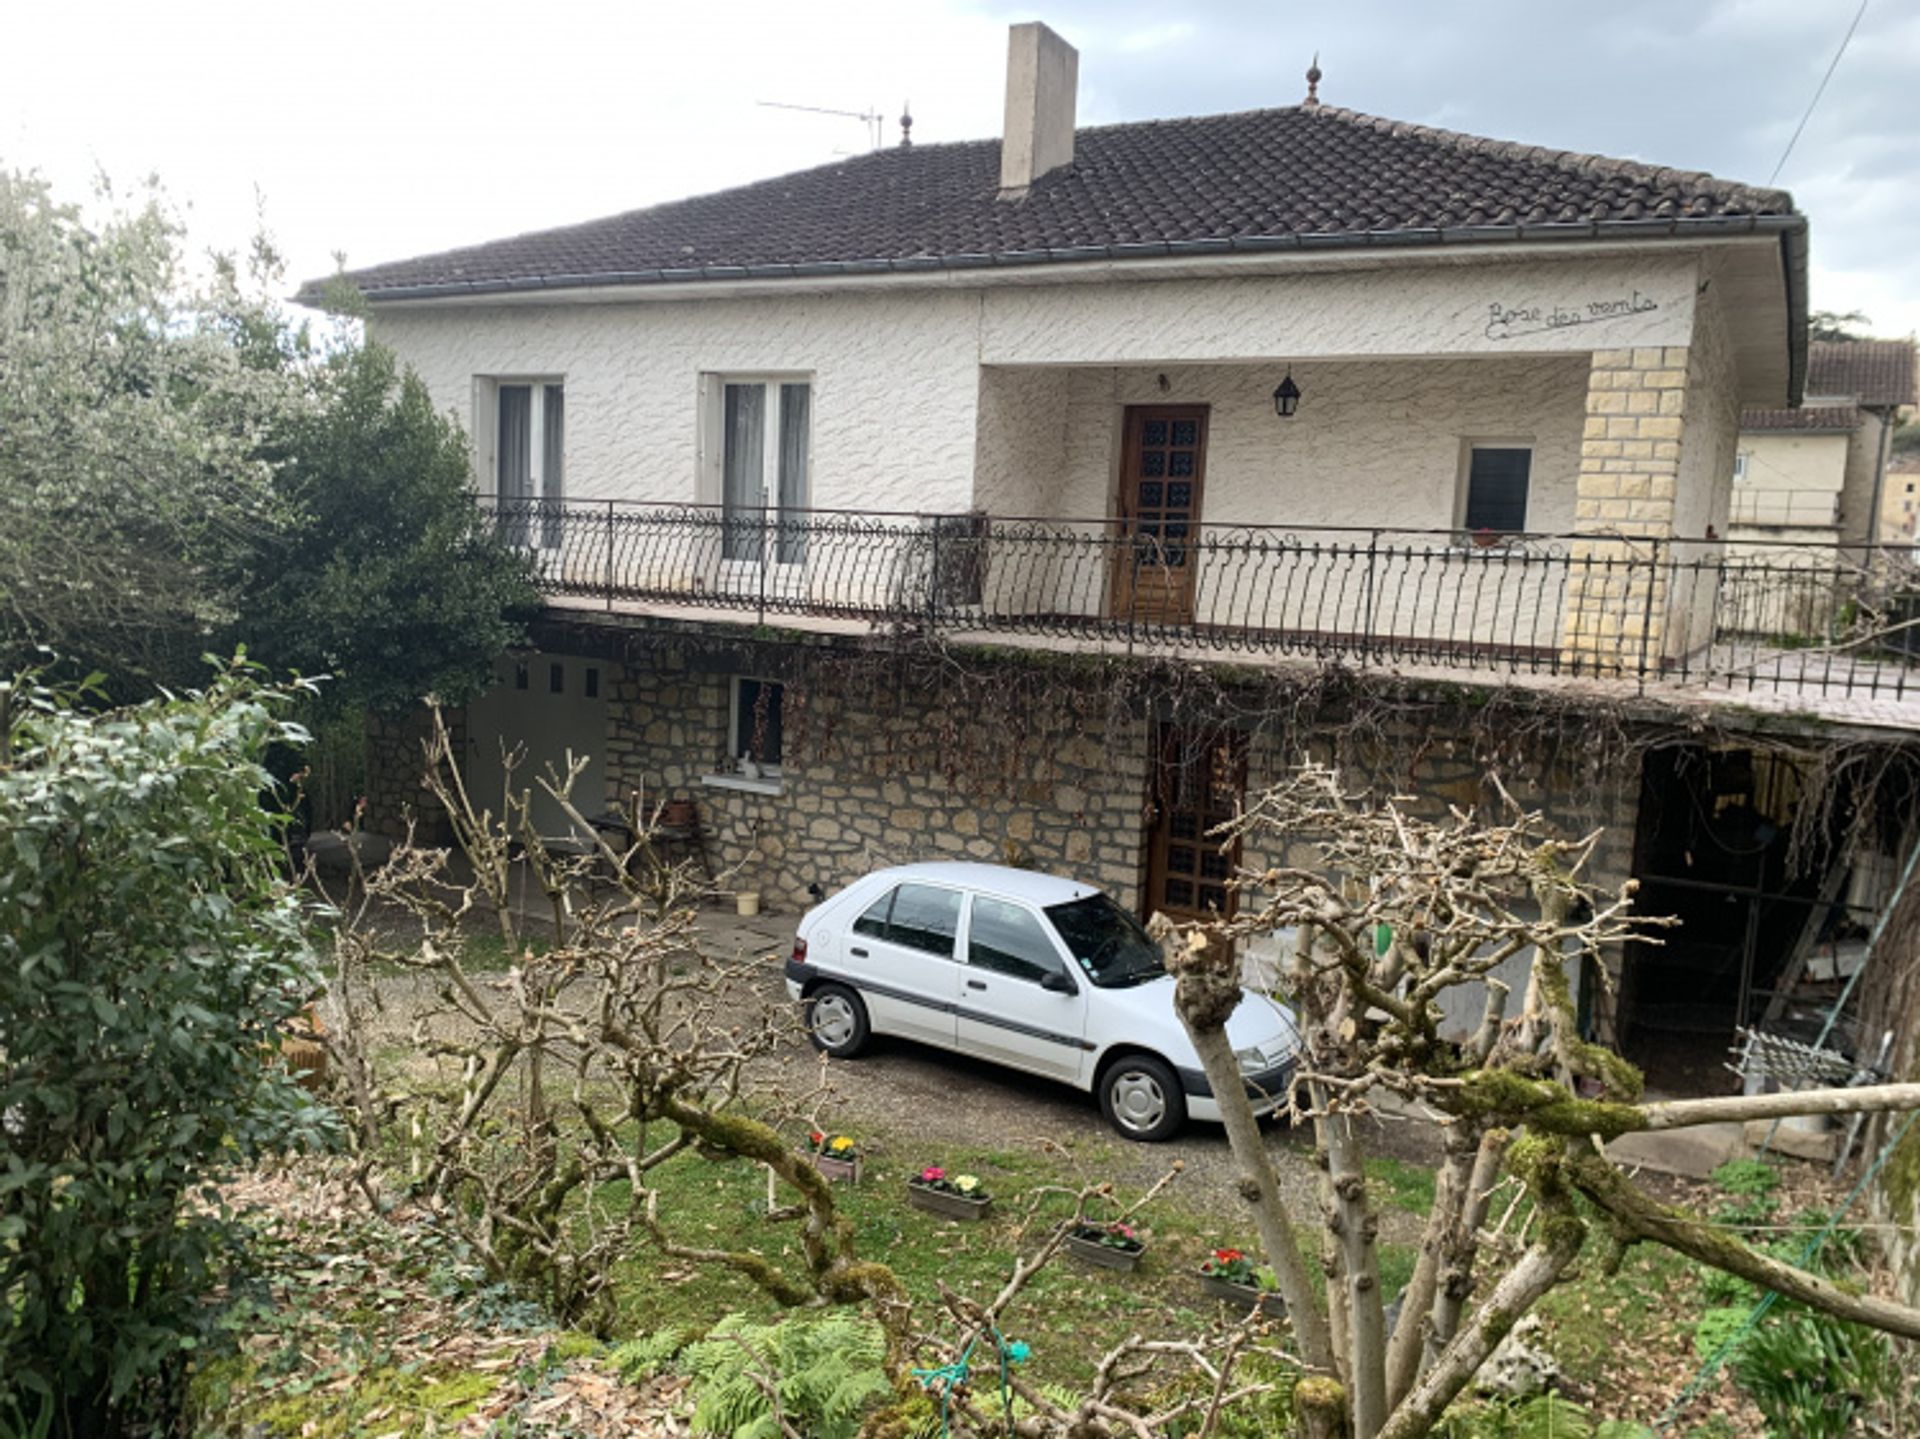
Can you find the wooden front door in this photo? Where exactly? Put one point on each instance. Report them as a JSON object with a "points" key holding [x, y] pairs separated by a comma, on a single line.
{"points": [[1196, 785], [1162, 469]]}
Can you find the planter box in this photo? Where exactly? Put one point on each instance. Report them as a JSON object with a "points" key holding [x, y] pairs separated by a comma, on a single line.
{"points": [[838, 1171], [953, 1206], [1244, 1296], [1104, 1255]]}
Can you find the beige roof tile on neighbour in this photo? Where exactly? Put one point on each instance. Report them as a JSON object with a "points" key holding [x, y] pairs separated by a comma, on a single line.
{"points": [[1817, 419], [1872, 372]]}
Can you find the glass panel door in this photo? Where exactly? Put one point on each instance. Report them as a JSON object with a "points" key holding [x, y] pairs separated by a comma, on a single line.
{"points": [[1163, 469], [766, 457]]}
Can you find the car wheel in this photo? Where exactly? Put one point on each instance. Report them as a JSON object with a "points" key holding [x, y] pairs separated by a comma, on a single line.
{"points": [[837, 1021], [1142, 1099]]}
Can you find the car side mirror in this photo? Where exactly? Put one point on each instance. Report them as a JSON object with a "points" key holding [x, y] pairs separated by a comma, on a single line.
{"points": [[1058, 982]]}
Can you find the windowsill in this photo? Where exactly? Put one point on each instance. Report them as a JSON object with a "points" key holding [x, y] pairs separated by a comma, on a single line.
{"points": [[769, 786]]}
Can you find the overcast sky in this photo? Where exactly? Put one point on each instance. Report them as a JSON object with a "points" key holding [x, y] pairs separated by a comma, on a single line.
{"points": [[387, 128]]}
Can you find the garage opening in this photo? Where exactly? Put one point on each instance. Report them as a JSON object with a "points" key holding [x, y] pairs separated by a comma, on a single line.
{"points": [[1770, 919]]}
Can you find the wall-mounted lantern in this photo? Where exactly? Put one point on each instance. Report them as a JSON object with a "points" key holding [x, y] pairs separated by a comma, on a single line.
{"points": [[1286, 398]]}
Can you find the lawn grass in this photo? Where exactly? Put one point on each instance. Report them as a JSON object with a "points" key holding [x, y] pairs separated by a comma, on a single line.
{"points": [[1071, 1314]]}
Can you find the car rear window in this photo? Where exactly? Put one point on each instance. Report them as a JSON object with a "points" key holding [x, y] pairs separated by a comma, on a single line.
{"points": [[919, 916]]}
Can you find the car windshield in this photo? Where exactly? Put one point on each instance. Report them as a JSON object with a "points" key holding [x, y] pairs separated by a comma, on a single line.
{"points": [[1109, 943]]}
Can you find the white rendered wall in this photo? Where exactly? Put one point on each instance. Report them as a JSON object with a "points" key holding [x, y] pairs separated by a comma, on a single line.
{"points": [[894, 381], [897, 372]]}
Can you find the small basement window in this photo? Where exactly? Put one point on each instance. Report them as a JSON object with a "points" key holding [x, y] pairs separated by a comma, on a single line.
{"points": [[756, 723], [1496, 489]]}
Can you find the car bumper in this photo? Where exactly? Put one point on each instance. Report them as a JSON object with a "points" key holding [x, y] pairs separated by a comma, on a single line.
{"points": [[1266, 1090]]}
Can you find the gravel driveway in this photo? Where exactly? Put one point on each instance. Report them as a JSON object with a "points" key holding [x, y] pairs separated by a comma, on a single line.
{"points": [[901, 1093]]}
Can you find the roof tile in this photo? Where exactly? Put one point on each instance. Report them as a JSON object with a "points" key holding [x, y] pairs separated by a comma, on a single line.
{"points": [[1336, 175]]}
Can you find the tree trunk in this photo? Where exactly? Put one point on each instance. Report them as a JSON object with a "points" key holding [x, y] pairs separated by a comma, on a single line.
{"points": [[1517, 1292], [1354, 1228], [1260, 1187]]}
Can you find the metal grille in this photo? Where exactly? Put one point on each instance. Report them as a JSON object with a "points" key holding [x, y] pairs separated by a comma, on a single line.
{"points": [[1737, 615]]}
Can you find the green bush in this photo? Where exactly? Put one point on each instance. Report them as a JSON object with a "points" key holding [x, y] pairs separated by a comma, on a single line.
{"points": [[1747, 1177], [150, 950], [1812, 1376]]}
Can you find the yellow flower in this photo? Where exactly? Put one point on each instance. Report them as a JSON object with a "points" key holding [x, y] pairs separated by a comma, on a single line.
{"points": [[841, 1142], [965, 1183]]}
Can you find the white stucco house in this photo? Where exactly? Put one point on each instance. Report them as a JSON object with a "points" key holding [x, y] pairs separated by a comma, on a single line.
{"points": [[1479, 337], [1292, 389]]}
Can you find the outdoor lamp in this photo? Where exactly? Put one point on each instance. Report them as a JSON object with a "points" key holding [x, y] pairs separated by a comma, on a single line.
{"points": [[1286, 398]]}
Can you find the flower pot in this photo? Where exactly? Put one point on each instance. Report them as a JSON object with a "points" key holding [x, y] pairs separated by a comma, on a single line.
{"points": [[1104, 1255], [746, 903], [1244, 1296], [841, 1171], [953, 1206]]}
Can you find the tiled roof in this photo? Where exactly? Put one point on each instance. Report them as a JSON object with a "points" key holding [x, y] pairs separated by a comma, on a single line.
{"points": [[1822, 419], [1872, 372], [1306, 175]]}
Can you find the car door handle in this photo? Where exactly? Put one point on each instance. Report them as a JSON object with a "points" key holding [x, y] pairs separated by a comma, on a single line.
{"points": [[857, 953], [976, 984]]}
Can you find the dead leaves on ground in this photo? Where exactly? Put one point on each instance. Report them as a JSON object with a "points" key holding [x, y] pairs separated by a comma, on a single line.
{"points": [[379, 1328]]}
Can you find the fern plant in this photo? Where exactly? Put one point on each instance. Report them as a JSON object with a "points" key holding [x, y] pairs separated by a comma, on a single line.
{"points": [[648, 1355], [1545, 1416], [825, 1370]]}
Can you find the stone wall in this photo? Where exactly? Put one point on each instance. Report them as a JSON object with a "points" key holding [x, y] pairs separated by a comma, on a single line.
{"points": [[865, 788], [396, 774], [879, 774]]}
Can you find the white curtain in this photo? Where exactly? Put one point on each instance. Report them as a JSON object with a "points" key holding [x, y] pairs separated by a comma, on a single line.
{"points": [[743, 472], [553, 448], [796, 407], [514, 481]]}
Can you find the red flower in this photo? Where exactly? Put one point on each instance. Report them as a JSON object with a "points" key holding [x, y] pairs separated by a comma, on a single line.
{"points": [[931, 1173], [815, 1135], [1228, 1256]]}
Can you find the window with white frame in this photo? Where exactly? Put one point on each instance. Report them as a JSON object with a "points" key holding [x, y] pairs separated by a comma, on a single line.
{"points": [[528, 431], [1494, 487], [765, 454]]}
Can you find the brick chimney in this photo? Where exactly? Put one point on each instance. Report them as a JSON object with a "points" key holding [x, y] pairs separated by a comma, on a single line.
{"points": [[1042, 73]]}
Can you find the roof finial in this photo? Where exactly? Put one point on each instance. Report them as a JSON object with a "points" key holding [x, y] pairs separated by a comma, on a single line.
{"points": [[1313, 81], [906, 124]]}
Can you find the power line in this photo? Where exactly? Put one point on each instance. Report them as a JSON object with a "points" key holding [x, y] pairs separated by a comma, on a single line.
{"points": [[1835, 65]]}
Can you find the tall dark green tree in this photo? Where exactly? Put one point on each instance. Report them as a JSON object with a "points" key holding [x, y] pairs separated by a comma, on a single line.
{"points": [[387, 577], [184, 468]]}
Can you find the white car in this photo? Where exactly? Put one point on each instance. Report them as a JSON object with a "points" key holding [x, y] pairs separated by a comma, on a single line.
{"points": [[1036, 972]]}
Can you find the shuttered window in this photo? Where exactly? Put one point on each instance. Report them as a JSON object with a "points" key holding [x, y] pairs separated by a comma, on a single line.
{"points": [[1497, 477]]}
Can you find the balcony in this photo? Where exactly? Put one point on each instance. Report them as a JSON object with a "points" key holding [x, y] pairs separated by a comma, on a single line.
{"points": [[1785, 626]]}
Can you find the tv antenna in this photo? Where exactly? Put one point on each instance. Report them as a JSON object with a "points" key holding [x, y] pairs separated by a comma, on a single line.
{"points": [[870, 117]]}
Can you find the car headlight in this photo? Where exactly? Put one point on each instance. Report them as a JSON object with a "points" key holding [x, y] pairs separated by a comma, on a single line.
{"points": [[1250, 1059]]}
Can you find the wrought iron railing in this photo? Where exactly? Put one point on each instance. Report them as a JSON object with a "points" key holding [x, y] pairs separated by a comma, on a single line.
{"points": [[1832, 618]]}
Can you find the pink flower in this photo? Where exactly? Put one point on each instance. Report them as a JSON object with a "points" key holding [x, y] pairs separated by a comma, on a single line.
{"points": [[931, 1173]]}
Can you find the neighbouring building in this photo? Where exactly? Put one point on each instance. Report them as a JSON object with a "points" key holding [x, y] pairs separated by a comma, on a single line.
{"points": [[1819, 471], [1900, 503], [1036, 498]]}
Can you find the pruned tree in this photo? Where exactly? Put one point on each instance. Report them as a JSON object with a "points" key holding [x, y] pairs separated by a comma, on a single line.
{"points": [[618, 1041], [1391, 911], [615, 1042]]}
